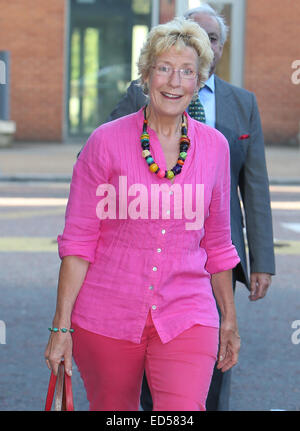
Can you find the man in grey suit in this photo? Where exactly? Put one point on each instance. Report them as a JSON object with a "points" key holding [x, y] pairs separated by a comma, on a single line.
{"points": [[234, 112]]}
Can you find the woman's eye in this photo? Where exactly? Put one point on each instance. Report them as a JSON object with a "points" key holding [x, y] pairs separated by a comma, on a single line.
{"points": [[163, 68], [188, 72]]}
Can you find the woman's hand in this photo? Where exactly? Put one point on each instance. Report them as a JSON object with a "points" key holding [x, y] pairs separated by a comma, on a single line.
{"points": [[59, 348], [230, 344], [72, 272]]}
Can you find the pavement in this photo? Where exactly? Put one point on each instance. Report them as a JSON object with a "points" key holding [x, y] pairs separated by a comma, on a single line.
{"points": [[53, 161]]}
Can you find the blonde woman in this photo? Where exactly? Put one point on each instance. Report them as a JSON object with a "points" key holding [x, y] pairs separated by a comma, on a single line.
{"points": [[146, 249]]}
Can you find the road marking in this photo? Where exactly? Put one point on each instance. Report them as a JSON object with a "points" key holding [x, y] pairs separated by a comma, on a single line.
{"points": [[285, 205], [9, 215], [28, 244], [285, 189], [48, 244], [50, 202], [287, 247], [295, 227], [32, 202]]}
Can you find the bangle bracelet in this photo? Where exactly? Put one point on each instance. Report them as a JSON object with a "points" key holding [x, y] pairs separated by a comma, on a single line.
{"points": [[64, 330]]}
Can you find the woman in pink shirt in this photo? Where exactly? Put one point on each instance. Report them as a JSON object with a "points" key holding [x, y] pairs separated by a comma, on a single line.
{"points": [[146, 248]]}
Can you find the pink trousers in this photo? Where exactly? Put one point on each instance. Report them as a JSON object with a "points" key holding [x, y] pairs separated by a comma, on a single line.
{"points": [[178, 372]]}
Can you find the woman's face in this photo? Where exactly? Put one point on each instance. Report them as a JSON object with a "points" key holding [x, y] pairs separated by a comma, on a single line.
{"points": [[172, 81]]}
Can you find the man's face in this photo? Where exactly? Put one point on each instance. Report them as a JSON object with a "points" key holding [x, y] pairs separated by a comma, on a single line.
{"points": [[212, 28]]}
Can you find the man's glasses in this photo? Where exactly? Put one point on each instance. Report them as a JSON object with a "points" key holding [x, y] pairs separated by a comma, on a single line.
{"points": [[166, 70]]}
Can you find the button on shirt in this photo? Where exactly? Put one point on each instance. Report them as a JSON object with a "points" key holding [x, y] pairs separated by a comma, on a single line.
{"points": [[151, 244]]}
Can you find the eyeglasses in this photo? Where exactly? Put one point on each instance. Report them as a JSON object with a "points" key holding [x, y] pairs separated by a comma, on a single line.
{"points": [[166, 70]]}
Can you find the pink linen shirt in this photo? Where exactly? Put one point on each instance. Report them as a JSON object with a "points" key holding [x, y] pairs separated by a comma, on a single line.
{"points": [[146, 251]]}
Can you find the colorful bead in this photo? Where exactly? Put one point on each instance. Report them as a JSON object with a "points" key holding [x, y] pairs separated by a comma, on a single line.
{"points": [[53, 329], [183, 147], [63, 330], [177, 169], [161, 173], [170, 174], [149, 160], [154, 167]]}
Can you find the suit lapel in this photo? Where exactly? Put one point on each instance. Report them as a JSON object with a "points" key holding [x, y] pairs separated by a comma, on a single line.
{"points": [[225, 121]]}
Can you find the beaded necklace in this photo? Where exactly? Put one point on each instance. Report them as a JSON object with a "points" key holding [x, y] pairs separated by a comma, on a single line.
{"points": [[184, 145]]}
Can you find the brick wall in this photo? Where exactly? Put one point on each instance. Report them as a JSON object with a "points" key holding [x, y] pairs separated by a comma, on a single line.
{"points": [[167, 10], [33, 32], [271, 46]]}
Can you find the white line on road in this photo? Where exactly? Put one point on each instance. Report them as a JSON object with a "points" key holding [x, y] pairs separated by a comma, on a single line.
{"points": [[295, 227], [32, 202]]}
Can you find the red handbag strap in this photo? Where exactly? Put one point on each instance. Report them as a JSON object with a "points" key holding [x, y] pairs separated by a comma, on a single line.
{"points": [[50, 393], [67, 398], [68, 403]]}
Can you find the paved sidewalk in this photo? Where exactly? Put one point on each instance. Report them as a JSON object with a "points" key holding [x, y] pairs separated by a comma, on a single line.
{"points": [[54, 162], [38, 161]]}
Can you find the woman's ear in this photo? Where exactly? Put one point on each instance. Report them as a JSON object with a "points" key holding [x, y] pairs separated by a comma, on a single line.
{"points": [[145, 81]]}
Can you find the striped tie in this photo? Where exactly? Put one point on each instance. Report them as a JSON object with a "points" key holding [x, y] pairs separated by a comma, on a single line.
{"points": [[196, 110]]}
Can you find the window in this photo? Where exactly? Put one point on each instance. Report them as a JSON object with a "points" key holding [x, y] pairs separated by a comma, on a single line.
{"points": [[104, 44]]}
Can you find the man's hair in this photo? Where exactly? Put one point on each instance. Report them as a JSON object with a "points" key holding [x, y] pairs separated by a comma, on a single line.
{"points": [[208, 10]]}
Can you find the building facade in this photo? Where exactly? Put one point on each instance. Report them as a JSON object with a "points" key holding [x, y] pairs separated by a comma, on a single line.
{"points": [[72, 60]]}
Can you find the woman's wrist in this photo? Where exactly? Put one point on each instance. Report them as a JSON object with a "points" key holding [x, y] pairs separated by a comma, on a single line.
{"points": [[58, 329], [229, 325], [228, 314], [61, 320]]}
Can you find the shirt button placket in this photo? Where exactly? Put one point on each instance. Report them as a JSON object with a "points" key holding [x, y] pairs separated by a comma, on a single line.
{"points": [[155, 268], [151, 286], [159, 253]]}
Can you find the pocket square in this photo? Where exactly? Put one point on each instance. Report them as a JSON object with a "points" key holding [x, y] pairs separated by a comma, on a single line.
{"points": [[244, 137]]}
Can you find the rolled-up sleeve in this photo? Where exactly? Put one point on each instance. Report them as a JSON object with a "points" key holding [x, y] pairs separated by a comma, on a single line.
{"points": [[221, 253], [82, 226]]}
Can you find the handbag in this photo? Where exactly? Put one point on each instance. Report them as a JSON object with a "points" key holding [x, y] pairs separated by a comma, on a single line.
{"points": [[61, 386]]}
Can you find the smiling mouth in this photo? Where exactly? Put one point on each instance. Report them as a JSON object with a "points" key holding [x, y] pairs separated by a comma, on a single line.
{"points": [[171, 96]]}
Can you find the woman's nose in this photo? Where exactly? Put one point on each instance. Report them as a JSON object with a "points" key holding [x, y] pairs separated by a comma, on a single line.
{"points": [[175, 78]]}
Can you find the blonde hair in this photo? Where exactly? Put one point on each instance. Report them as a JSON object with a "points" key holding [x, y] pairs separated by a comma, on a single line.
{"points": [[179, 32]]}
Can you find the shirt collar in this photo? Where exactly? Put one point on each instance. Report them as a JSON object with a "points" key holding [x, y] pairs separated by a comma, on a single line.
{"points": [[210, 83]]}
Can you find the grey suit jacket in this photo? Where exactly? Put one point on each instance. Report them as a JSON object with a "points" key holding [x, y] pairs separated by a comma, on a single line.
{"points": [[237, 118]]}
